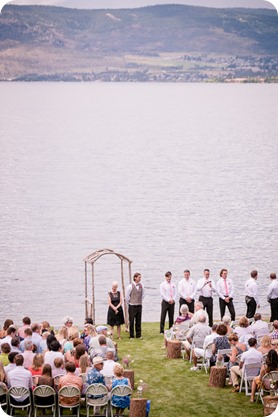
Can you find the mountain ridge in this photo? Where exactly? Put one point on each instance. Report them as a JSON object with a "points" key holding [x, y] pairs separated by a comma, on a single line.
{"points": [[50, 39]]}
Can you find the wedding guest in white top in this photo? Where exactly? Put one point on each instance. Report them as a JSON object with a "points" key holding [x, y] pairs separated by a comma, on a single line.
{"points": [[20, 377], [187, 291], [272, 296], [243, 327], [206, 286], [108, 364], [199, 311], [225, 290], [259, 328], [168, 294], [251, 294]]}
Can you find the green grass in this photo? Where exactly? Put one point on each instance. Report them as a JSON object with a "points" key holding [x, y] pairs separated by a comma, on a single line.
{"points": [[173, 389]]}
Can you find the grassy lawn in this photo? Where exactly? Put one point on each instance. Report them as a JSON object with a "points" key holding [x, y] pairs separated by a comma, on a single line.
{"points": [[173, 389]]}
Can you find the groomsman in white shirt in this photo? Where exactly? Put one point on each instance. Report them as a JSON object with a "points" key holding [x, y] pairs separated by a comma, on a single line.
{"points": [[225, 290], [251, 294], [187, 291], [168, 294], [206, 286], [272, 296]]}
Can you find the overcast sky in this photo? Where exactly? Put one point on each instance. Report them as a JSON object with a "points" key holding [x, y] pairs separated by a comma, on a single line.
{"points": [[97, 4]]}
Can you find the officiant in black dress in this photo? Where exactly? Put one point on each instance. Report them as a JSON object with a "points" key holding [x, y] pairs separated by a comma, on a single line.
{"points": [[115, 315]]}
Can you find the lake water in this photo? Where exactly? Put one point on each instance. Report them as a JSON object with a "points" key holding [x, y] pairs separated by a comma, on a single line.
{"points": [[173, 176]]}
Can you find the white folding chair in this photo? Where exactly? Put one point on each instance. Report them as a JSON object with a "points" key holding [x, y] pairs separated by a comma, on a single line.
{"points": [[206, 357], [249, 371], [119, 391], [69, 398], [3, 396], [20, 398], [196, 342], [269, 384], [44, 397], [221, 353], [96, 397]]}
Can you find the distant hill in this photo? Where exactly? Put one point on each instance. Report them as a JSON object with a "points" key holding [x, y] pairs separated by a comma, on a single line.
{"points": [[54, 40]]}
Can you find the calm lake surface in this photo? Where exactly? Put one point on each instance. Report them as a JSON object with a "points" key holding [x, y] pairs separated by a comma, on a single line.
{"points": [[173, 176]]}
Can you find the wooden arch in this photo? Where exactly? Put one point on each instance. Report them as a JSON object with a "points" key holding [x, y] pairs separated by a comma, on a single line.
{"points": [[91, 259]]}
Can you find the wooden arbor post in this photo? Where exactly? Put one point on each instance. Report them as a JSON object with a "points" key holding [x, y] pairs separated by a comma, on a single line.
{"points": [[91, 259]]}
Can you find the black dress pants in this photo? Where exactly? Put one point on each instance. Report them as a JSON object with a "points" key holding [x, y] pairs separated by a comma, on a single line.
{"points": [[208, 305], [230, 305], [274, 309], [251, 307], [190, 305], [135, 316], [166, 308]]}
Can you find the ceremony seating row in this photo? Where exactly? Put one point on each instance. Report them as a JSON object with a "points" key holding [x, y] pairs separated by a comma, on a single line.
{"points": [[69, 397]]}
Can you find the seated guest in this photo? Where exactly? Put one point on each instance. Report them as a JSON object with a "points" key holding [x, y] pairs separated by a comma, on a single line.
{"points": [[185, 315], [15, 343], [271, 364], [26, 321], [237, 349], [37, 365], [227, 321], [73, 333], [243, 327], [199, 311], [108, 365], [265, 345], [84, 364], [200, 331], [90, 321], [89, 332], [94, 342], [250, 356], [28, 354], [11, 365], [20, 377], [94, 376], [62, 335], [43, 344], [76, 353], [46, 376], [69, 355], [28, 334], [70, 379], [5, 350], [101, 350], [59, 367], [220, 342], [120, 402], [68, 321], [11, 332], [36, 336], [259, 327], [3, 376], [45, 327], [54, 352], [200, 352], [6, 325], [274, 333]]}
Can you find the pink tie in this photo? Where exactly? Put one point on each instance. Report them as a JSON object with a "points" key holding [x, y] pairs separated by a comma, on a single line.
{"points": [[226, 287], [171, 291]]}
